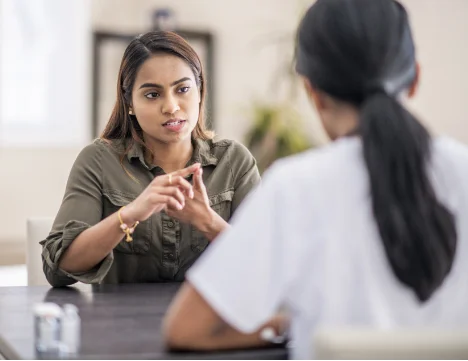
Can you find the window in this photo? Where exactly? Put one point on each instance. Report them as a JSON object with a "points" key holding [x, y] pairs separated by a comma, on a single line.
{"points": [[44, 72]]}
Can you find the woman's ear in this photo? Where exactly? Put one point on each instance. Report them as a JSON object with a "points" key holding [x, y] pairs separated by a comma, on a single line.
{"points": [[413, 89]]}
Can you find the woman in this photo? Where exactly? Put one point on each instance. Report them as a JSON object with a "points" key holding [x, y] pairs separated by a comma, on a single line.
{"points": [[371, 230], [144, 200]]}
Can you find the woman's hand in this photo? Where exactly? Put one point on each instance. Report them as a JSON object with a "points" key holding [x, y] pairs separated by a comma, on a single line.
{"points": [[169, 191], [195, 207], [197, 210]]}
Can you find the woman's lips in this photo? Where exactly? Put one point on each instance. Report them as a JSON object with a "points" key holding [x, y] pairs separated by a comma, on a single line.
{"points": [[174, 125]]}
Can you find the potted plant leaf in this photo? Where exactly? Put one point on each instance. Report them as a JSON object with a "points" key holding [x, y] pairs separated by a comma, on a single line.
{"points": [[276, 133]]}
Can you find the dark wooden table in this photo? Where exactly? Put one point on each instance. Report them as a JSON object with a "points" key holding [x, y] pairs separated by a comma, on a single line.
{"points": [[118, 322]]}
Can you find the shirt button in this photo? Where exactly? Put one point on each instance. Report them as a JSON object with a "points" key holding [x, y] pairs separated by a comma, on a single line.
{"points": [[170, 224]]}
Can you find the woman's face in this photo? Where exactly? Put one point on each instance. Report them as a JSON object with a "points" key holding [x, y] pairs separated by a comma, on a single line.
{"points": [[166, 99]]}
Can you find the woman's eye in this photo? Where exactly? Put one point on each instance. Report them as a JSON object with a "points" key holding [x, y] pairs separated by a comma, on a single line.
{"points": [[152, 95], [184, 89]]}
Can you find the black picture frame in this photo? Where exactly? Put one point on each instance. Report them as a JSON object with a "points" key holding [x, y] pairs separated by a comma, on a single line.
{"points": [[103, 95]]}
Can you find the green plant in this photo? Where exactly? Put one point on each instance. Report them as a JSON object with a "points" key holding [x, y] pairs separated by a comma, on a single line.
{"points": [[276, 133]]}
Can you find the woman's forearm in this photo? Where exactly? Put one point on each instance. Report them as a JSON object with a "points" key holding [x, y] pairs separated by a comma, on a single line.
{"points": [[211, 225], [221, 336], [93, 245]]}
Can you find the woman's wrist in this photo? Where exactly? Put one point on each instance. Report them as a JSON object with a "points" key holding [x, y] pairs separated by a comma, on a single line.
{"points": [[211, 224], [127, 215], [204, 223]]}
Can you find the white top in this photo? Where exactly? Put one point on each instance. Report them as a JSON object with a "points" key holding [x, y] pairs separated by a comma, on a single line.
{"points": [[306, 239]]}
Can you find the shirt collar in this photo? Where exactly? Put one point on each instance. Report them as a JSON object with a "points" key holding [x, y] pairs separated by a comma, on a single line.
{"points": [[202, 153], [136, 151]]}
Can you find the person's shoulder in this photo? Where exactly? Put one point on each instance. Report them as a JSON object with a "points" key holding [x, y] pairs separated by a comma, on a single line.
{"points": [[92, 150], [450, 147], [231, 150], [99, 148], [229, 145], [449, 158], [309, 178], [322, 162]]}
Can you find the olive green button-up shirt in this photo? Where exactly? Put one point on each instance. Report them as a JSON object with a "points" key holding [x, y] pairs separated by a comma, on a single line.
{"points": [[163, 248]]}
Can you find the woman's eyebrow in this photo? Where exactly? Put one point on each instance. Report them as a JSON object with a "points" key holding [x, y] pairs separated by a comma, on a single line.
{"points": [[154, 85]]}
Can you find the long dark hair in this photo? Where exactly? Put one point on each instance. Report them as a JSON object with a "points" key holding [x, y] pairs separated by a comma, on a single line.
{"points": [[121, 125], [362, 52]]}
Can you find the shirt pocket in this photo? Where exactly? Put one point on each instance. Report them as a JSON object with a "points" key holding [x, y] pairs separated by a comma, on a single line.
{"points": [[113, 201], [221, 204]]}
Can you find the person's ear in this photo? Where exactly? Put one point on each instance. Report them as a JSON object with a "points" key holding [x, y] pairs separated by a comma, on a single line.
{"points": [[315, 96], [413, 89]]}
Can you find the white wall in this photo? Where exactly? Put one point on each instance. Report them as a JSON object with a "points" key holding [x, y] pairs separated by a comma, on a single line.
{"points": [[32, 184], [244, 72], [441, 32], [46, 60], [243, 29]]}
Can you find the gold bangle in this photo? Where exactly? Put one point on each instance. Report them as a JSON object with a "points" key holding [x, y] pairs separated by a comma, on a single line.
{"points": [[125, 228]]}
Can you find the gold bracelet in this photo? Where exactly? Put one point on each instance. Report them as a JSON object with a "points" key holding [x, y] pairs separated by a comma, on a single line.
{"points": [[125, 228]]}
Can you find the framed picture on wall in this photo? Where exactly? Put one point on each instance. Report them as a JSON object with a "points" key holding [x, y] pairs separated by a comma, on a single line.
{"points": [[108, 49]]}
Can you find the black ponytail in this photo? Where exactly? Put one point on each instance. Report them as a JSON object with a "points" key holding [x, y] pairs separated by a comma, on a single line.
{"points": [[418, 232], [362, 52]]}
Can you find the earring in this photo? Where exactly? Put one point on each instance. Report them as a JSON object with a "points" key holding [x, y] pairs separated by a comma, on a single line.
{"points": [[130, 112]]}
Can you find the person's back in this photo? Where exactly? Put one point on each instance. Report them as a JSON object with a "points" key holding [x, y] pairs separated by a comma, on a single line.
{"points": [[371, 230], [341, 273]]}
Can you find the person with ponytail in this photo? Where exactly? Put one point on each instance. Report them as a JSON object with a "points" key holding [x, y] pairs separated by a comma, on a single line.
{"points": [[368, 231], [144, 200]]}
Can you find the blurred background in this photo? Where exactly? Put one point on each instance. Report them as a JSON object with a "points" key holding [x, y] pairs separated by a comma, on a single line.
{"points": [[59, 62]]}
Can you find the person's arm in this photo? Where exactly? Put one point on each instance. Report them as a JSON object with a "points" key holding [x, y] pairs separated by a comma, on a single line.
{"points": [[79, 246], [81, 208], [84, 253], [239, 283], [198, 212], [246, 177], [194, 324], [211, 224]]}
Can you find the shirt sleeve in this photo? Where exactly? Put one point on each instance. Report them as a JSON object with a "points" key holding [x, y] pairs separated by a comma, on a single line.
{"points": [[81, 208], [244, 274]]}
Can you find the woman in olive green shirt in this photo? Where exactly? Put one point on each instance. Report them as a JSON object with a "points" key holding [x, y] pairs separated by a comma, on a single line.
{"points": [[155, 170]]}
